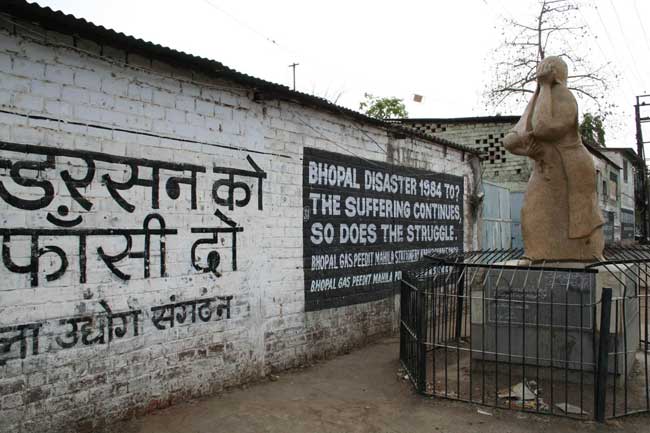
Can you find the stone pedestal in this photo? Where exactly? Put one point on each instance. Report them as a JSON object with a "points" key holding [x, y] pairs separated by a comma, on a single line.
{"points": [[551, 317]]}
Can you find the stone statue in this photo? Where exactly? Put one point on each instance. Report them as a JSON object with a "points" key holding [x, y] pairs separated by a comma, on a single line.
{"points": [[560, 219]]}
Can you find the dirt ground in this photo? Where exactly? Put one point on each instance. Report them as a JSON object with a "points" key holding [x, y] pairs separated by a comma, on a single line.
{"points": [[358, 393], [456, 375]]}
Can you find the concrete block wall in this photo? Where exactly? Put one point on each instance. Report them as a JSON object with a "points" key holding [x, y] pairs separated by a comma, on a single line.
{"points": [[486, 137], [87, 131]]}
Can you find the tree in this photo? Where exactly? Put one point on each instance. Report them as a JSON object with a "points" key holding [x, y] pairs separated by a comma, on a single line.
{"points": [[557, 30], [592, 130], [383, 108]]}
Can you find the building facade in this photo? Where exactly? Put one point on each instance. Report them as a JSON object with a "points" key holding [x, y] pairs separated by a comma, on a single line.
{"points": [[609, 193], [172, 227], [628, 160]]}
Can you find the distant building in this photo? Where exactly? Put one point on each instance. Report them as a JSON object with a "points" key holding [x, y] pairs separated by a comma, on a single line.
{"points": [[608, 189], [628, 160]]}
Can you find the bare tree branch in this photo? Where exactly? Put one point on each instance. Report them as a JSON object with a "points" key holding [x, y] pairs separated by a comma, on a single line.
{"points": [[555, 29], [513, 89]]}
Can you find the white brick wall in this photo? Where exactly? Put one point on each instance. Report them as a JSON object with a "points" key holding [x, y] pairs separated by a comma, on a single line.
{"points": [[94, 99]]}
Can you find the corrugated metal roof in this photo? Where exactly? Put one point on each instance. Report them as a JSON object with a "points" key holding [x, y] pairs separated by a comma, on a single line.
{"points": [[50, 19]]}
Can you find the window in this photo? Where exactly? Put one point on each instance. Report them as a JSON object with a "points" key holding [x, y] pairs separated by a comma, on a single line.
{"points": [[613, 186], [625, 171]]}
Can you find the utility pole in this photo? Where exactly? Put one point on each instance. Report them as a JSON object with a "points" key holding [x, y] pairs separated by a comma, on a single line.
{"points": [[642, 193], [293, 66]]}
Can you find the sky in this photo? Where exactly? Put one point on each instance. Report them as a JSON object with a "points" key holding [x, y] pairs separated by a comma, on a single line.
{"points": [[443, 50]]}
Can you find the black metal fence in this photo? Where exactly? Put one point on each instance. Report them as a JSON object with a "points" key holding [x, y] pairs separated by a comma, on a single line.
{"points": [[559, 339]]}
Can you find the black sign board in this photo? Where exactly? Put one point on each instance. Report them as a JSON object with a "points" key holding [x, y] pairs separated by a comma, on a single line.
{"points": [[365, 222]]}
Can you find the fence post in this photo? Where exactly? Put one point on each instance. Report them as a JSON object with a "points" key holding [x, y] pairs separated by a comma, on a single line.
{"points": [[421, 334], [403, 299], [603, 355], [460, 292]]}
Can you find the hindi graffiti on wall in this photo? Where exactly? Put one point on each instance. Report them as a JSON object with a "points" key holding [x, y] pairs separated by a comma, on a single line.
{"points": [[106, 326], [29, 173], [365, 222], [75, 190]]}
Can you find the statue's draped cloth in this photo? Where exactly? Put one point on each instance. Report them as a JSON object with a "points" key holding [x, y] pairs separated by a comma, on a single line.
{"points": [[577, 173]]}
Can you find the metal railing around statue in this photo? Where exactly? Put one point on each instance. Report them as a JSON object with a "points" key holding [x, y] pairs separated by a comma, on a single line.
{"points": [[481, 328]]}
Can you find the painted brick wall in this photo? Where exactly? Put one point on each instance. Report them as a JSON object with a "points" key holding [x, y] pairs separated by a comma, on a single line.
{"points": [[85, 107]]}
